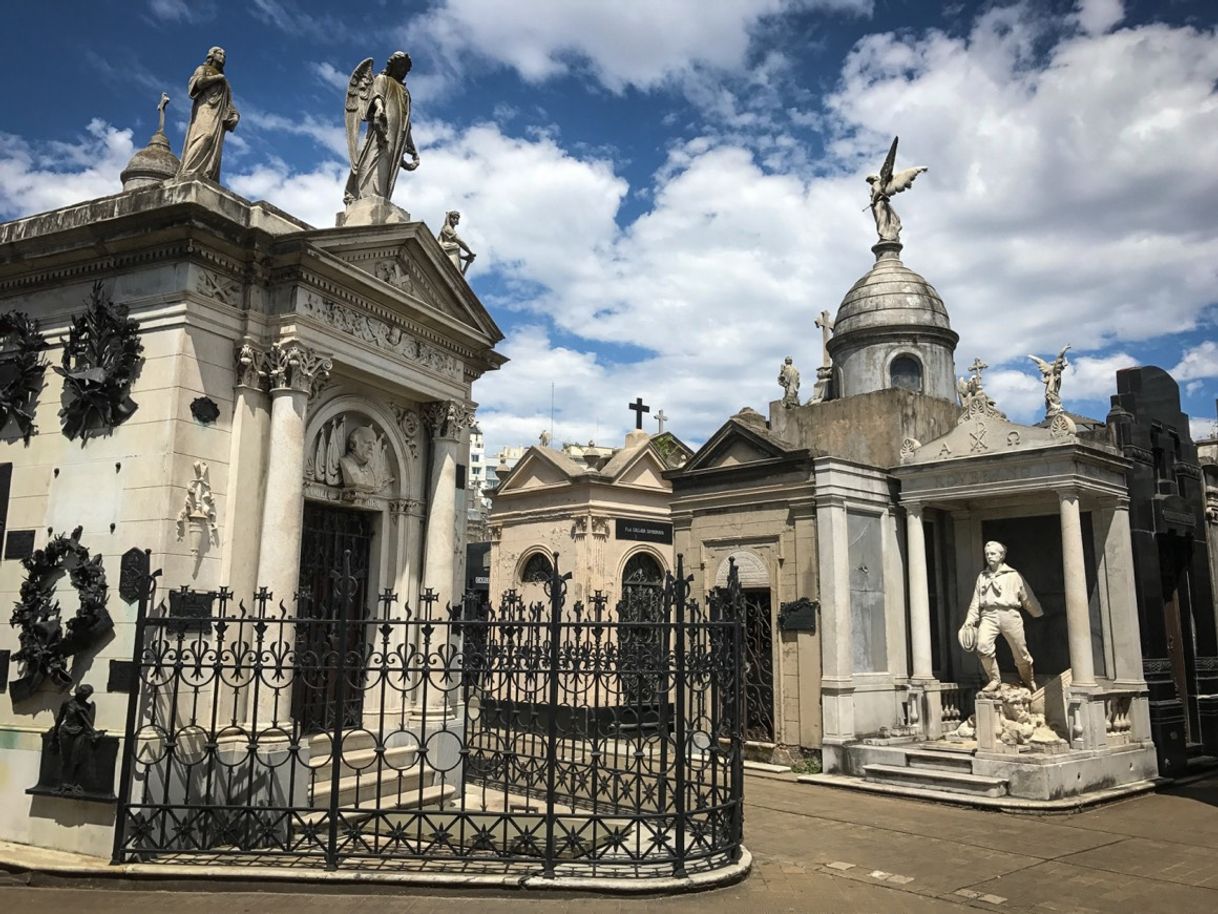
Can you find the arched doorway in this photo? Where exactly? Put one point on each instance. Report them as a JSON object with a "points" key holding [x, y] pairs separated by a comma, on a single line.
{"points": [[640, 640]]}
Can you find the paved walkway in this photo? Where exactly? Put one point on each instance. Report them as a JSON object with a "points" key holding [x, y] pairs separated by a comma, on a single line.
{"points": [[820, 849]]}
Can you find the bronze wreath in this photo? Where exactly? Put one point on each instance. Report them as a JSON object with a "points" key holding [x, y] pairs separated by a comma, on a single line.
{"points": [[21, 375], [45, 646], [101, 357]]}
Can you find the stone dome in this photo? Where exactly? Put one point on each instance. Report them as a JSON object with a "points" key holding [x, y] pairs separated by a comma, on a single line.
{"points": [[151, 165], [892, 330], [890, 294]]}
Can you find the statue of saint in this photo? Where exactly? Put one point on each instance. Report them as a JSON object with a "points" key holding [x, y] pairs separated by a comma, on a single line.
{"points": [[75, 736], [212, 115], [1051, 374], [544, 438], [364, 466], [788, 379], [883, 187], [452, 243], [384, 102], [1000, 594]]}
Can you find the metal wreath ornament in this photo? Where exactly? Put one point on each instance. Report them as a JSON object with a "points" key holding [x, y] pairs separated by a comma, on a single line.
{"points": [[21, 374]]}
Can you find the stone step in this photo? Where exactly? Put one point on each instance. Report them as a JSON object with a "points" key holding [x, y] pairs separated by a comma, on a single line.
{"points": [[934, 779], [436, 796], [939, 760], [362, 790], [365, 761], [352, 741]]}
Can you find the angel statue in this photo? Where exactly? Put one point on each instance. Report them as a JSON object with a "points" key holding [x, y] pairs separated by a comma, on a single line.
{"points": [[1051, 374], [883, 186], [384, 102]]}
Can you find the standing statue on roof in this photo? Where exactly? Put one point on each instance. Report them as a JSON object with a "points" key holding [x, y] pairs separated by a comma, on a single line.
{"points": [[212, 115], [383, 101], [883, 187], [1051, 375]]}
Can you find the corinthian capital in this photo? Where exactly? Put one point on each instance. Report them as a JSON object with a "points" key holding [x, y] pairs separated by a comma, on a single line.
{"points": [[250, 366], [294, 366], [447, 418]]}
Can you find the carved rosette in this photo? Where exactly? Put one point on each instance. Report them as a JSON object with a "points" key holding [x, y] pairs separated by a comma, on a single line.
{"points": [[447, 418], [1063, 428], [294, 366], [408, 422], [908, 446]]}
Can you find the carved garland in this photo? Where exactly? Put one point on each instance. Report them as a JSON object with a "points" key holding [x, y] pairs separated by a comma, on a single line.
{"points": [[21, 376], [101, 358], [45, 646]]}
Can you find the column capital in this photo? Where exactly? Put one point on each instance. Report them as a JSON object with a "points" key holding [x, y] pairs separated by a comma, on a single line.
{"points": [[295, 367], [250, 366], [446, 419], [913, 508], [1066, 492]]}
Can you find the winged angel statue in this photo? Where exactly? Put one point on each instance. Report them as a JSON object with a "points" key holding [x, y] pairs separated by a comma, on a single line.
{"points": [[883, 187], [1051, 375], [384, 102]]}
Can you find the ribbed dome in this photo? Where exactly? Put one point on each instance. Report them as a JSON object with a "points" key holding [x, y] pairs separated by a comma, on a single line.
{"points": [[151, 165], [889, 295]]}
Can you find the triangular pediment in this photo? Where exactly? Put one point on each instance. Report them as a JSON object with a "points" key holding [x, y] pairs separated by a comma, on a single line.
{"points": [[737, 443], [982, 430], [408, 264], [539, 468], [645, 471]]}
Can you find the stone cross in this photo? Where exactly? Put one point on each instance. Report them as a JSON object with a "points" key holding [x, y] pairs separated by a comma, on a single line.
{"points": [[825, 322], [976, 368], [639, 409], [661, 418]]}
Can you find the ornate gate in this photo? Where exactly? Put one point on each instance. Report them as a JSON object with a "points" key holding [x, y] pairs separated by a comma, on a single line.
{"points": [[758, 721], [500, 738]]}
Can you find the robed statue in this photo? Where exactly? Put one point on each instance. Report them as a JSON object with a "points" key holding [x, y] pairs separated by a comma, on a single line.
{"points": [[212, 115], [383, 101], [1051, 375], [883, 187]]}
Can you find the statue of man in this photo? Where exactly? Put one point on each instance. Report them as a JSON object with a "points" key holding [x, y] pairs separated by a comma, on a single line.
{"points": [[74, 736], [212, 115], [383, 102], [1051, 375], [453, 244], [363, 467], [788, 378], [1000, 594]]}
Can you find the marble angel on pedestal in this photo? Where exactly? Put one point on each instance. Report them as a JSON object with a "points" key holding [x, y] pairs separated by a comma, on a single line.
{"points": [[883, 187]]}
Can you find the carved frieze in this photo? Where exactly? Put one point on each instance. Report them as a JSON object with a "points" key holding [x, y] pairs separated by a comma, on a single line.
{"points": [[382, 335], [217, 286]]}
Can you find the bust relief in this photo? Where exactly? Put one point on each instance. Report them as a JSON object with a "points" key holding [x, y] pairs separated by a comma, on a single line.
{"points": [[365, 466]]}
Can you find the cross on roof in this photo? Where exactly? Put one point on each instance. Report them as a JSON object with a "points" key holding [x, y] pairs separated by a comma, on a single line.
{"points": [[639, 409], [661, 418], [977, 367]]}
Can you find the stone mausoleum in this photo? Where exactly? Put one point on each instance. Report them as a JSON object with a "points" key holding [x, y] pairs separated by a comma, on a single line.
{"points": [[246, 396]]}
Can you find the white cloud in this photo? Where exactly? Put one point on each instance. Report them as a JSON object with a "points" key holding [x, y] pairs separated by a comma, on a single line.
{"points": [[330, 75], [1203, 429], [39, 177], [629, 43], [1199, 362], [1095, 17]]}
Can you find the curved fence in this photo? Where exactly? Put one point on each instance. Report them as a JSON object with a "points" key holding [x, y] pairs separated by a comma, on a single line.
{"points": [[540, 738]]}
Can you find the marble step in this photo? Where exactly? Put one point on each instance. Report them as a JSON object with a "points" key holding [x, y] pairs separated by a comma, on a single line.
{"points": [[935, 779], [362, 790], [939, 760], [436, 796], [396, 759]]}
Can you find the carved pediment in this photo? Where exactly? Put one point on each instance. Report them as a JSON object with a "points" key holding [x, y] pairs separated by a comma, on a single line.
{"points": [[533, 472], [738, 444], [982, 432]]}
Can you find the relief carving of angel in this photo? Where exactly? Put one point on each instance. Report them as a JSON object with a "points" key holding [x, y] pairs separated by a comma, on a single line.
{"points": [[383, 102], [883, 187]]}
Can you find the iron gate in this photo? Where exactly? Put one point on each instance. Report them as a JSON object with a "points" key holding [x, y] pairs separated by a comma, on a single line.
{"points": [[515, 738]]}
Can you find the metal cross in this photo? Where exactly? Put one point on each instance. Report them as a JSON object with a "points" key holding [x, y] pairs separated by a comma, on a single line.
{"points": [[661, 418], [639, 409]]}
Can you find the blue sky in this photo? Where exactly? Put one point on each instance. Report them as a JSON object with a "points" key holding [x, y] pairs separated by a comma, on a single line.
{"points": [[665, 193]]}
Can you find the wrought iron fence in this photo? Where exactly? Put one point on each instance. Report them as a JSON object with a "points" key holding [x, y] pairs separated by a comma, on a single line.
{"points": [[539, 738]]}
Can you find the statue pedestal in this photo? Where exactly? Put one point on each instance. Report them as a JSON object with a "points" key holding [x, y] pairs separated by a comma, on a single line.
{"points": [[371, 211], [94, 776]]}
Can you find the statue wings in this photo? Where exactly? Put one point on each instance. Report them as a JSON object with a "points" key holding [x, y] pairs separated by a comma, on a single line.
{"points": [[893, 183], [1041, 363], [358, 89]]}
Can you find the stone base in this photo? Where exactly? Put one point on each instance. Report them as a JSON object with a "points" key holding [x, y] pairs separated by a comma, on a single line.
{"points": [[371, 211], [1074, 773]]}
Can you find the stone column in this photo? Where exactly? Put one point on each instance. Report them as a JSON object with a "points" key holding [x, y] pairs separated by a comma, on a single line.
{"points": [[837, 642], [445, 419], [919, 593], [1078, 617], [294, 372]]}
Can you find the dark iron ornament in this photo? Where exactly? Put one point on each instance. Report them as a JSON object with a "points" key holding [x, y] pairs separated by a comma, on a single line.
{"points": [[21, 374], [77, 758], [205, 410], [45, 645], [547, 738], [101, 357]]}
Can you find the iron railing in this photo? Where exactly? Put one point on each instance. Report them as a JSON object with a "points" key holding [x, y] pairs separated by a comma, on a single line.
{"points": [[537, 738]]}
